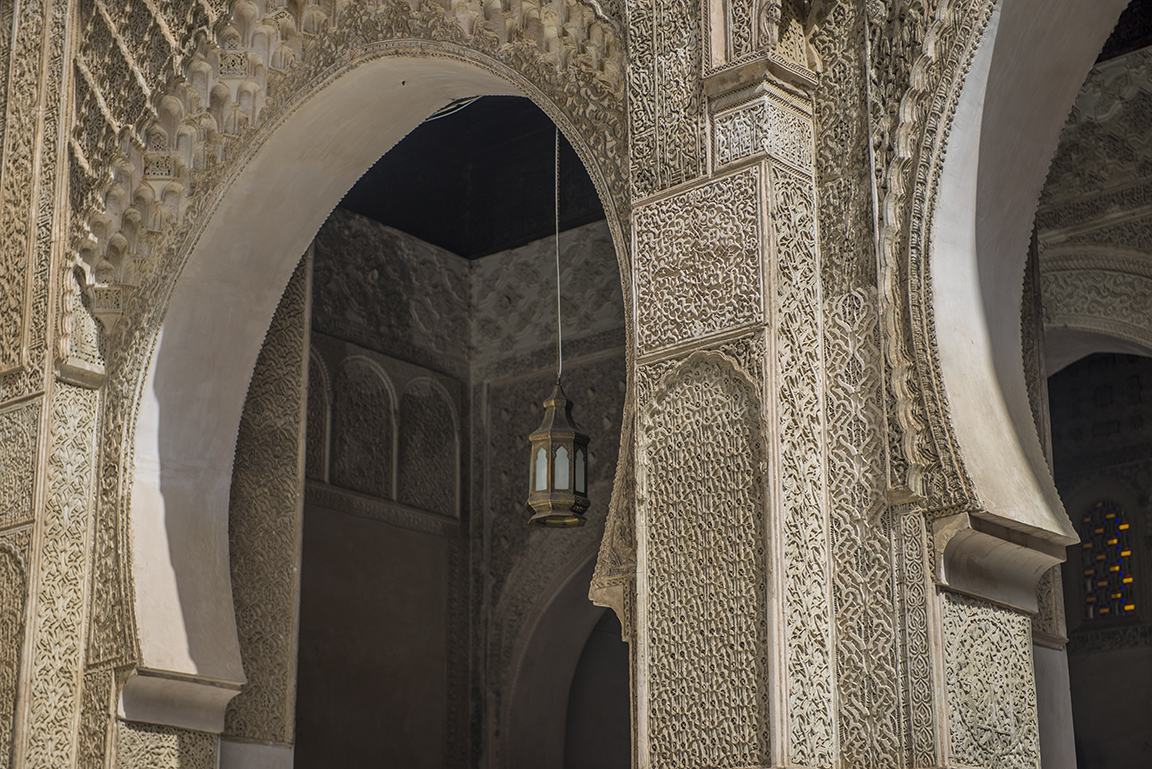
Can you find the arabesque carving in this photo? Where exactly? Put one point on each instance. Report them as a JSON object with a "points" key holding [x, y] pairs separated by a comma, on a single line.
{"points": [[363, 429], [863, 599], [319, 416], [1105, 143], [265, 520], [703, 568], [803, 509], [991, 688], [144, 746], [1098, 288], [57, 649], [702, 262], [13, 598], [428, 449], [19, 430]]}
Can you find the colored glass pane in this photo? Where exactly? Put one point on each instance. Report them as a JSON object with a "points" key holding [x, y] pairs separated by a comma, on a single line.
{"points": [[1106, 560]]}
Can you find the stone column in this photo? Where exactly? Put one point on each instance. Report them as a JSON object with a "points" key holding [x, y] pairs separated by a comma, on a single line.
{"points": [[734, 642], [792, 606]]}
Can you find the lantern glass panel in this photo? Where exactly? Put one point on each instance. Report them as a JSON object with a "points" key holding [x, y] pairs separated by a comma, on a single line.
{"points": [[561, 468], [580, 471], [541, 469]]}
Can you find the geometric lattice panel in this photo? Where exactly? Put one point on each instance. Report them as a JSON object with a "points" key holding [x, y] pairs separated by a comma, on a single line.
{"points": [[1106, 561]]}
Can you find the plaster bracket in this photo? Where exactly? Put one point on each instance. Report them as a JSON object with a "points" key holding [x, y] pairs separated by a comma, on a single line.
{"points": [[168, 699], [986, 560]]}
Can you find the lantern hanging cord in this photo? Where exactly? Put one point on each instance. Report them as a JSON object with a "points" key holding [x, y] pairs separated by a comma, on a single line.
{"points": [[559, 332]]}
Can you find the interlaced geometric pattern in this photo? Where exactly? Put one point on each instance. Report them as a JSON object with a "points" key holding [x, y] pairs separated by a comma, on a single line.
{"points": [[1106, 562]]}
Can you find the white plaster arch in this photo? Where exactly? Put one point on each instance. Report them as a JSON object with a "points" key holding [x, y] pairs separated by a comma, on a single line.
{"points": [[1097, 298], [1026, 71], [193, 392]]}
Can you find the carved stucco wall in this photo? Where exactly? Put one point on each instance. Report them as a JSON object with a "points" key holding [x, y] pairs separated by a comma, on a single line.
{"points": [[1095, 218], [265, 520], [117, 187], [703, 568], [133, 201], [467, 348]]}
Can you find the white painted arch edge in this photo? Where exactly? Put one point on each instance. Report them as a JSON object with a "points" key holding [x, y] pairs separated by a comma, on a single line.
{"points": [[1027, 69], [197, 379]]}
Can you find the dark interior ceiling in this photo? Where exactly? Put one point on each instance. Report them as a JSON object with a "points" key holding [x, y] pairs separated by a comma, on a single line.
{"points": [[478, 181], [1133, 30]]}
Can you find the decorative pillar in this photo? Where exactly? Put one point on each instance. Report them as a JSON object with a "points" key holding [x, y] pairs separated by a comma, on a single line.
{"points": [[793, 605], [734, 658]]}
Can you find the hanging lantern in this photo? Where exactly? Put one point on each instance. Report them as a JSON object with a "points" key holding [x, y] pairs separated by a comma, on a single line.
{"points": [[558, 470], [558, 464]]}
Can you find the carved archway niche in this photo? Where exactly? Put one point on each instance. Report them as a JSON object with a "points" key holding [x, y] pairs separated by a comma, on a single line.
{"points": [[192, 206], [1097, 298]]}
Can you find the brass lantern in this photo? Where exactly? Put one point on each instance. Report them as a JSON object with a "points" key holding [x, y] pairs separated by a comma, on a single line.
{"points": [[558, 468]]}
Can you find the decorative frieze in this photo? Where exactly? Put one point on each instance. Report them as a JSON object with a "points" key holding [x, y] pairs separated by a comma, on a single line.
{"points": [[767, 125]]}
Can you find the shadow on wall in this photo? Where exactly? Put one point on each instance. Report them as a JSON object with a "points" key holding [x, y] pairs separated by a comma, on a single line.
{"points": [[598, 733]]}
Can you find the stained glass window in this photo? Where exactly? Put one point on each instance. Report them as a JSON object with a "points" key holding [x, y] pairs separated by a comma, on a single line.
{"points": [[1106, 556]]}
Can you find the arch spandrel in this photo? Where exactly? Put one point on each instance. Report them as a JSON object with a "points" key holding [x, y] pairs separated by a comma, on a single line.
{"points": [[175, 202]]}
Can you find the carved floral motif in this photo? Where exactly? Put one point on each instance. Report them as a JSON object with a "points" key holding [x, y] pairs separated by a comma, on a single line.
{"points": [[699, 267]]}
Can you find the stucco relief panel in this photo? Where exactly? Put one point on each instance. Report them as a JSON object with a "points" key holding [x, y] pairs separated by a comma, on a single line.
{"points": [[426, 315], [363, 432], [991, 687], [867, 680], [514, 293], [799, 394], [57, 649], [19, 428], [144, 746], [664, 94], [428, 451], [703, 569], [698, 261], [13, 600]]}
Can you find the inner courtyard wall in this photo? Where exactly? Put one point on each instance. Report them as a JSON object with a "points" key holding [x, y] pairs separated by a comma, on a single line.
{"points": [[393, 316]]}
